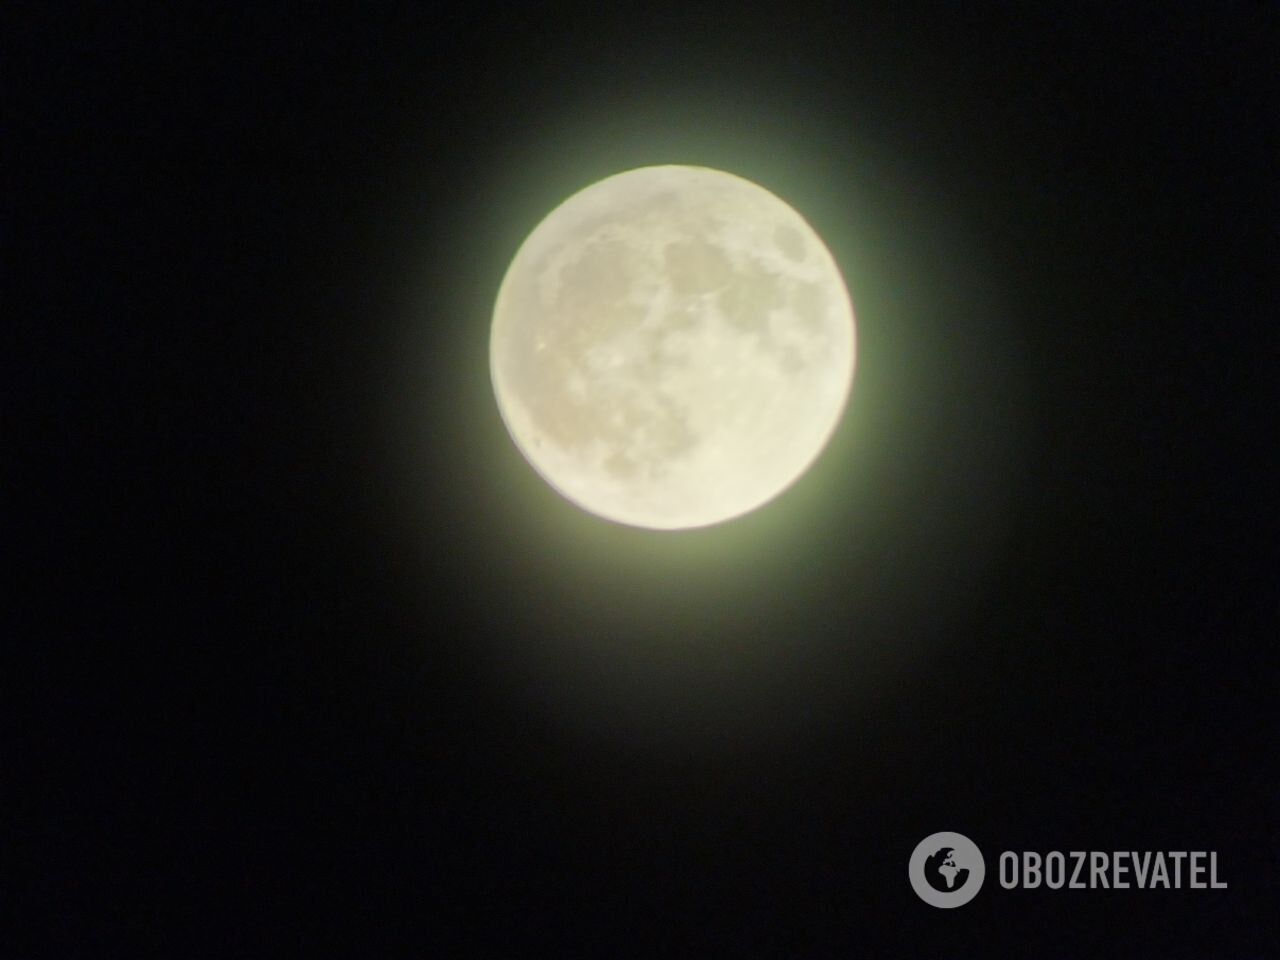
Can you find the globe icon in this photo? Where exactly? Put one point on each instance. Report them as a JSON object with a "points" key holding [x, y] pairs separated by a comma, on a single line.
{"points": [[943, 872], [946, 869]]}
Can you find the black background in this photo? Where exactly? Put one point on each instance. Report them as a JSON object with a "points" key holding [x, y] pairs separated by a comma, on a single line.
{"points": [[252, 713]]}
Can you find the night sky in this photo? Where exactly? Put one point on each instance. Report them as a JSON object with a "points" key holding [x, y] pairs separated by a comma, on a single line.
{"points": [[302, 654]]}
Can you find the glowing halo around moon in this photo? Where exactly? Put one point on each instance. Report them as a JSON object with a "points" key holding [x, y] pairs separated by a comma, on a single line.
{"points": [[672, 347]]}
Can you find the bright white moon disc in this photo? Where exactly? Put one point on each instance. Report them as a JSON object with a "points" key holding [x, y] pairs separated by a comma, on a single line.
{"points": [[672, 347]]}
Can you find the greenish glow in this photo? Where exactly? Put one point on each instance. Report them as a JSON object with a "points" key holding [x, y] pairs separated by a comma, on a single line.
{"points": [[783, 615]]}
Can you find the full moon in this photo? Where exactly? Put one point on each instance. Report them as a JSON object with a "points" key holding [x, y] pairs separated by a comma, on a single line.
{"points": [[672, 347]]}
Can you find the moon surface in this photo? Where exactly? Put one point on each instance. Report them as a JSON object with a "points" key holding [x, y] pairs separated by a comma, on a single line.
{"points": [[672, 347]]}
